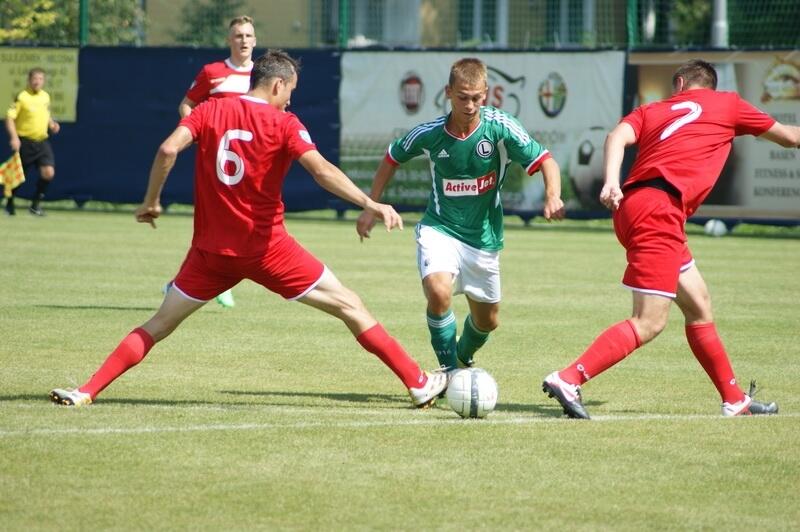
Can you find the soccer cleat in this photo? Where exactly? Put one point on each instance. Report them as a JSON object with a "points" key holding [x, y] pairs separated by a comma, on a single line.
{"points": [[36, 211], [226, 299], [569, 395], [70, 397], [748, 406], [425, 396], [10, 210]]}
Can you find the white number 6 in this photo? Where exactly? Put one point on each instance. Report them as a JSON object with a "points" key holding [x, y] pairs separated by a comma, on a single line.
{"points": [[694, 112], [224, 155]]}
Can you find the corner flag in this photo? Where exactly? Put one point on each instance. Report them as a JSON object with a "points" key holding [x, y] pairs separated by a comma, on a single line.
{"points": [[11, 174]]}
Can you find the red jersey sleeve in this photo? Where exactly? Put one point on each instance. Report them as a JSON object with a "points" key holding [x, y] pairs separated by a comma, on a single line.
{"points": [[298, 140], [750, 120], [194, 121], [201, 87], [635, 119]]}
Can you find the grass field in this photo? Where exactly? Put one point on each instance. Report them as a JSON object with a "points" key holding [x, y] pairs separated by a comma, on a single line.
{"points": [[269, 416]]}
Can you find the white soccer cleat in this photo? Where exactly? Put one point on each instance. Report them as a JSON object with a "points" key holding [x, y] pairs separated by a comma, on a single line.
{"points": [[70, 397], [226, 299], [567, 394], [425, 396], [748, 407]]}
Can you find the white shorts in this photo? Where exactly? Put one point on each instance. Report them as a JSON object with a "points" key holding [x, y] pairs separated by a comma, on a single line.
{"points": [[476, 273]]}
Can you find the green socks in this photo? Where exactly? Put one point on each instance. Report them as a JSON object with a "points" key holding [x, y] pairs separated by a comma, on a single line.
{"points": [[443, 338], [471, 340]]}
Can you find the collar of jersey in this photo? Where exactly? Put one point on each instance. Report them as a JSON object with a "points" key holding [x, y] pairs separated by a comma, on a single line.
{"points": [[239, 69], [477, 127], [253, 99]]}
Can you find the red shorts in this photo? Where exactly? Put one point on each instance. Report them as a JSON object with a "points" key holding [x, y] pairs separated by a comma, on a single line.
{"points": [[650, 225], [287, 269]]}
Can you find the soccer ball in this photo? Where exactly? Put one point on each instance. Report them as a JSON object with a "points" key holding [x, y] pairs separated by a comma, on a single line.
{"points": [[715, 227], [472, 392], [586, 166]]}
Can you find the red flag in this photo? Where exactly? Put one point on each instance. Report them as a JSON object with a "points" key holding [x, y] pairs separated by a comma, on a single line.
{"points": [[11, 174]]}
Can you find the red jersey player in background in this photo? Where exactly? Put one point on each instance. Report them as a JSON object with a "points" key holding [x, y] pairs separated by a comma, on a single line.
{"points": [[230, 77], [683, 143], [245, 146]]}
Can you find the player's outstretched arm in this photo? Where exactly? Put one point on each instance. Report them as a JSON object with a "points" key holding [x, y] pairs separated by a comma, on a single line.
{"points": [[786, 136], [614, 151], [366, 220], [150, 209], [553, 204], [332, 179]]}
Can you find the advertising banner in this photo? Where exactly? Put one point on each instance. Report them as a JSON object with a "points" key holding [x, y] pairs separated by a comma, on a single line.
{"points": [[761, 180], [61, 66], [566, 101]]}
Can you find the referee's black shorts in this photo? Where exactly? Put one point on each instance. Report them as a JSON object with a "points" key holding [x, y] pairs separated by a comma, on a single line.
{"points": [[36, 152]]}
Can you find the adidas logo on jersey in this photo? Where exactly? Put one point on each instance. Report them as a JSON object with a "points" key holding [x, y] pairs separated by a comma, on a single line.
{"points": [[443, 155]]}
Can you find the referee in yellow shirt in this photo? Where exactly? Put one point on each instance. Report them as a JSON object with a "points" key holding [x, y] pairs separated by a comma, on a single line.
{"points": [[29, 123]]}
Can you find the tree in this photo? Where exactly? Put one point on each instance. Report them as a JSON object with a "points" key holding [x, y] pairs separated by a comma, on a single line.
{"points": [[46, 22], [204, 22]]}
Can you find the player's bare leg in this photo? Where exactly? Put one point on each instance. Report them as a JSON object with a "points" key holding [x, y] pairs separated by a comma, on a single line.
{"points": [[132, 349], [649, 317], [332, 297], [695, 303]]}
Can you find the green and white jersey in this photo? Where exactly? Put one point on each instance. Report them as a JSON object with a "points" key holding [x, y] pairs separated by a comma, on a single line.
{"points": [[467, 174]]}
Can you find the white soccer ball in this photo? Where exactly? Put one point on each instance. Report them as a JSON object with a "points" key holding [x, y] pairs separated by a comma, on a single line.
{"points": [[586, 166], [472, 392], [716, 227]]}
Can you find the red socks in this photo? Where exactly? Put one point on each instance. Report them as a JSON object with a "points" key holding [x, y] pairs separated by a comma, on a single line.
{"points": [[128, 353], [614, 344], [709, 351], [377, 341]]}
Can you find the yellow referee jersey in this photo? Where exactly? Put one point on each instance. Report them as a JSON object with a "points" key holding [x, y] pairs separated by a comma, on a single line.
{"points": [[31, 114]]}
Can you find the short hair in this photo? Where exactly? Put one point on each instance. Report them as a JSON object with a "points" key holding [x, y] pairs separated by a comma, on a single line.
{"points": [[238, 21], [697, 73], [273, 64], [470, 70], [36, 70]]}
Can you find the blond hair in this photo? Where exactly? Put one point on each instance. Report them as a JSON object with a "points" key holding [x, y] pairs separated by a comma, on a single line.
{"points": [[238, 21], [470, 70]]}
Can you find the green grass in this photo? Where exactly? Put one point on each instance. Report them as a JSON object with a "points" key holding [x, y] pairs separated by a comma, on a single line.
{"points": [[270, 416]]}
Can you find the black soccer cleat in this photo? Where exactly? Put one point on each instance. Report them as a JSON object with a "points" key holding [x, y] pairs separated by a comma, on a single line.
{"points": [[568, 395]]}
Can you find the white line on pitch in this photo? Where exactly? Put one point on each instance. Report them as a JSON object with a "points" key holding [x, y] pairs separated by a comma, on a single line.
{"points": [[497, 420]]}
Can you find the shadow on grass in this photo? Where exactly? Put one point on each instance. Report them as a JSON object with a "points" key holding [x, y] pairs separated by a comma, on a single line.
{"points": [[94, 307], [551, 409], [353, 400], [358, 398]]}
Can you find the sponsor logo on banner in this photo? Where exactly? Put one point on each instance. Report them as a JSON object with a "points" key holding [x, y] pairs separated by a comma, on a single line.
{"points": [[552, 94], [782, 82], [505, 92], [412, 92], [469, 187]]}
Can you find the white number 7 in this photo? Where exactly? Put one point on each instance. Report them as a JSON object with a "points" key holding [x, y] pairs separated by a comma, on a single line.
{"points": [[694, 112], [224, 155]]}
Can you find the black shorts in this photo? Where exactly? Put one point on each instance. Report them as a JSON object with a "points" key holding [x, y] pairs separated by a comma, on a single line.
{"points": [[37, 153]]}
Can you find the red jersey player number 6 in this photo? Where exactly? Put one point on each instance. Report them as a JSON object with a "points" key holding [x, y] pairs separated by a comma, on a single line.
{"points": [[226, 155]]}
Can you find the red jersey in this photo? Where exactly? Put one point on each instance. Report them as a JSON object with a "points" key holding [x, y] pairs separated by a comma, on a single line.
{"points": [[686, 139], [244, 149], [220, 79]]}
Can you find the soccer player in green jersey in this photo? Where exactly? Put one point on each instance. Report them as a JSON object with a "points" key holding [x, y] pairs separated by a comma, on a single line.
{"points": [[461, 234]]}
